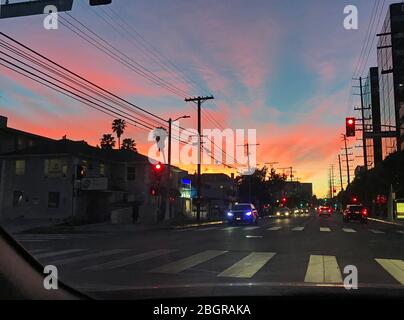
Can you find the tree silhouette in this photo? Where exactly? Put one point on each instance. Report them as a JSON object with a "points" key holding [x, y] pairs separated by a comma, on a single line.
{"points": [[107, 142], [118, 127], [129, 144]]}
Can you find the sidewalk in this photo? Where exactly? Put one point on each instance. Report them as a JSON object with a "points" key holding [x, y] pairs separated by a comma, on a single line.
{"points": [[46, 226], [384, 220]]}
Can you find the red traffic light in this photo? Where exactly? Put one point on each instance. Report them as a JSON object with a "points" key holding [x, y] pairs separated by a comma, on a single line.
{"points": [[157, 166], [350, 127], [283, 200], [153, 191], [354, 199]]}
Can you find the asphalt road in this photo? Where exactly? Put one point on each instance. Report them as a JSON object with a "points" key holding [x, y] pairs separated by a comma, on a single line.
{"points": [[276, 257]]}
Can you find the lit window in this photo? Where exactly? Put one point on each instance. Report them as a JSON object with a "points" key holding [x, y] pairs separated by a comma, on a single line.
{"points": [[20, 167]]}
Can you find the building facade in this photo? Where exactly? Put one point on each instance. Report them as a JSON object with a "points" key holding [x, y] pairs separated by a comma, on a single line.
{"points": [[390, 59]]}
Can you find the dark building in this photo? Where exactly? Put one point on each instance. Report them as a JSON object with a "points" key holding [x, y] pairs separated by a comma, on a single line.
{"points": [[371, 101], [390, 60]]}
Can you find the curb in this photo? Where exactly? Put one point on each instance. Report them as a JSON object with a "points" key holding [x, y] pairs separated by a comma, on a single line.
{"points": [[387, 222], [198, 225]]}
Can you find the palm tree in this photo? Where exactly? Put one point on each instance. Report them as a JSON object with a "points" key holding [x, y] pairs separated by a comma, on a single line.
{"points": [[129, 144], [118, 126], [107, 142]]}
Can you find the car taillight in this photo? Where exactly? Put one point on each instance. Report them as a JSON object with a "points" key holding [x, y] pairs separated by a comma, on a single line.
{"points": [[364, 212], [329, 210]]}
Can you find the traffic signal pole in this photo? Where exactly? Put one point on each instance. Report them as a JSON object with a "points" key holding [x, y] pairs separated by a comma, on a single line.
{"points": [[199, 100]]}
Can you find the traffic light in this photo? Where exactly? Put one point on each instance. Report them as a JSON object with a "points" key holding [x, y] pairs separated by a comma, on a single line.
{"points": [[153, 191], [99, 2], [354, 199], [283, 200], [350, 127], [158, 170], [80, 173]]}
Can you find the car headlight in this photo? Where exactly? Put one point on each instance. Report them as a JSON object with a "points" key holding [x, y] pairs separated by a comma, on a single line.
{"points": [[286, 213], [229, 214], [249, 213], [278, 213]]}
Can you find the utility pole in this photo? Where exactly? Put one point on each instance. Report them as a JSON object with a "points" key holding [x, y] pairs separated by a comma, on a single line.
{"points": [[362, 110], [249, 167], [291, 171], [346, 158], [340, 172], [199, 100], [168, 213]]}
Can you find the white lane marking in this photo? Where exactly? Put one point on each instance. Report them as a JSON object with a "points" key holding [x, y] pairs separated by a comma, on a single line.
{"points": [[248, 266], [118, 263], [189, 262], [87, 257], [251, 228], [298, 229], [32, 240], [274, 228], [323, 269], [400, 231], [325, 229], [229, 228], [36, 251], [394, 267], [349, 230], [376, 231], [205, 229], [252, 237], [57, 253]]}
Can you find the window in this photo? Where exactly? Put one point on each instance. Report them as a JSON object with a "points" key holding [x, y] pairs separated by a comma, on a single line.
{"points": [[17, 198], [131, 174], [55, 168], [102, 169], [20, 167], [53, 200]]}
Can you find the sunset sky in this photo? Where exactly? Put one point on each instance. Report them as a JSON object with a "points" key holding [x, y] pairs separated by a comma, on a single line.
{"points": [[282, 67]]}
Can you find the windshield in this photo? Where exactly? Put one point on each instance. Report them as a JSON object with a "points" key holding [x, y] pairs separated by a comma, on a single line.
{"points": [[154, 148], [240, 207]]}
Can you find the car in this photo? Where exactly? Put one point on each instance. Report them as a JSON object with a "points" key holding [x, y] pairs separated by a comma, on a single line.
{"points": [[324, 210], [242, 213], [282, 212], [355, 212]]}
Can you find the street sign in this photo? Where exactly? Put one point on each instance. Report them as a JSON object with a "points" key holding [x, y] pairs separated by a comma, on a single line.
{"points": [[400, 209], [94, 184]]}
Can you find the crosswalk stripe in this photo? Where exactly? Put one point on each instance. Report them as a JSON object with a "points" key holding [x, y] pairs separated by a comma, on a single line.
{"points": [[248, 266], [298, 229], [251, 228], [376, 231], [348, 230], [394, 267], [57, 253], [274, 228], [189, 262], [325, 229], [118, 263], [323, 269], [87, 257], [230, 228]]}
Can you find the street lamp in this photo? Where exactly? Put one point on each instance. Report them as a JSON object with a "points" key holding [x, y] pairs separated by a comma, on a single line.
{"points": [[168, 206]]}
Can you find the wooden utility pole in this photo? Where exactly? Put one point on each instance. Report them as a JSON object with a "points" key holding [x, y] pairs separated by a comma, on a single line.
{"points": [[199, 101], [340, 172]]}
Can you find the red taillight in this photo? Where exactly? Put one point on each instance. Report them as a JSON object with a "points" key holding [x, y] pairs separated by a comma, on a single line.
{"points": [[329, 210], [364, 212]]}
